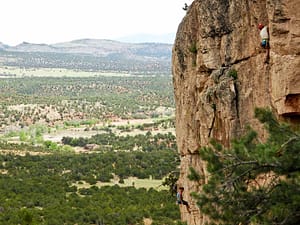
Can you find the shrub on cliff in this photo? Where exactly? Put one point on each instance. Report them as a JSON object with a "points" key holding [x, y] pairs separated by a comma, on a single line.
{"points": [[253, 182]]}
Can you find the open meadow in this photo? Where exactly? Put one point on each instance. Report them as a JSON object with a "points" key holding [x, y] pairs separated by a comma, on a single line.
{"points": [[86, 148]]}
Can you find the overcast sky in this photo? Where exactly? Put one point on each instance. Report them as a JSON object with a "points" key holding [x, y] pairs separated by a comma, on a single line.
{"points": [[52, 21]]}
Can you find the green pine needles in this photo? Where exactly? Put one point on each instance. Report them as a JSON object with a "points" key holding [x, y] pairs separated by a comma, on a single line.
{"points": [[233, 73], [194, 176], [253, 182]]}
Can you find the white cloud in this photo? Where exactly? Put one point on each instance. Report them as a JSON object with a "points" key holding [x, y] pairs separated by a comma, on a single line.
{"points": [[50, 21]]}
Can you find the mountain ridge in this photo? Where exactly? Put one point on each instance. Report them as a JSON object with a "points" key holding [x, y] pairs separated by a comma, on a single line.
{"points": [[91, 55], [87, 46]]}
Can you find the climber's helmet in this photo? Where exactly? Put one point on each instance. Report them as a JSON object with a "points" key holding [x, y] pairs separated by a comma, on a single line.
{"points": [[260, 26]]}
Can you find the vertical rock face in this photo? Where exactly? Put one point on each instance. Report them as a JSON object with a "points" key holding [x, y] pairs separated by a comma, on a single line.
{"points": [[220, 76]]}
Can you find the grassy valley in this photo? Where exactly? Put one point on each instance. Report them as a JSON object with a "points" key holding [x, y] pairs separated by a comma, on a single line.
{"points": [[85, 147]]}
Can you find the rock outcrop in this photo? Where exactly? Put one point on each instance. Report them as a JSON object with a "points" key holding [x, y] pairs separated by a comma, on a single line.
{"points": [[221, 74]]}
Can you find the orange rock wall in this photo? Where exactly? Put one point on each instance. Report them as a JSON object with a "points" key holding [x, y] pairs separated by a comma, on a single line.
{"points": [[217, 40]]}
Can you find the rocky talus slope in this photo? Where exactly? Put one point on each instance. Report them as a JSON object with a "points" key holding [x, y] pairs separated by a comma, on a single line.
{"points": [[220, 75]]}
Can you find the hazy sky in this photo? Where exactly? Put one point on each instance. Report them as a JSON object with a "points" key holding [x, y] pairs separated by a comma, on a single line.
{"points": [[52, 21]]}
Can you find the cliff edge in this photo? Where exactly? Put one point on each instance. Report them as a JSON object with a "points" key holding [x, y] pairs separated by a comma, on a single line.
{"points": [[220, 74]]}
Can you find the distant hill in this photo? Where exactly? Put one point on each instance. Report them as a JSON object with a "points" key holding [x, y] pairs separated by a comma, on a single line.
{"points": [[3, 46], [91, 55]]}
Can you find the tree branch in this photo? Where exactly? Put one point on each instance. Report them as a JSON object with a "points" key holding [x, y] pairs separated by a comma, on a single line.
{"points": [[280, 151]]}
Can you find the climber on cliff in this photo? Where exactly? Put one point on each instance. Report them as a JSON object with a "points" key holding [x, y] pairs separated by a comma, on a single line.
{"points": [[185, 8], [264, 34], [180, 199]]}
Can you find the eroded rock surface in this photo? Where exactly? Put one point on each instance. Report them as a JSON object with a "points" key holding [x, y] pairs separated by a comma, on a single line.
{"points": [[220, 76]]}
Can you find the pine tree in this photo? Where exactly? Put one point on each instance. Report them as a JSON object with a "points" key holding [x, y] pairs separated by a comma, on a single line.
{"points": [[253, 182]]}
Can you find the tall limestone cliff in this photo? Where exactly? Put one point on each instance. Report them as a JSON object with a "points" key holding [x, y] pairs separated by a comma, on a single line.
{"points": [[220, 76]]}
